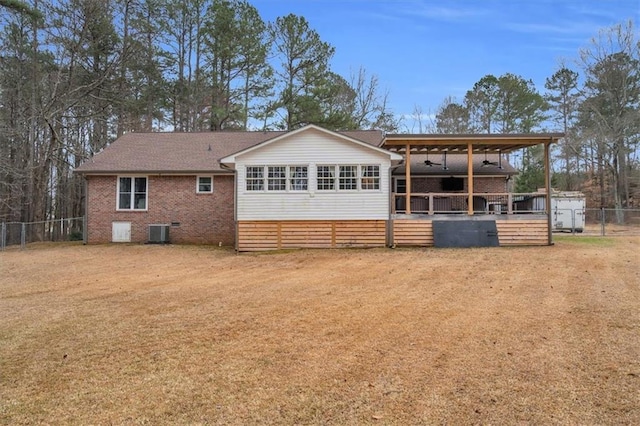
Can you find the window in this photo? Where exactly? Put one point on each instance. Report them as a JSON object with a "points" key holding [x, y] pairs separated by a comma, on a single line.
{"points": [[205, 185], [348, 179], [326, 178], [298, 178], [370, 177], [255, 178], [132, 193], [276, 178]]}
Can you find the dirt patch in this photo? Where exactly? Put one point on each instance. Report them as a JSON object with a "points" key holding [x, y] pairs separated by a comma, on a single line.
{"points": [[198, 335]]}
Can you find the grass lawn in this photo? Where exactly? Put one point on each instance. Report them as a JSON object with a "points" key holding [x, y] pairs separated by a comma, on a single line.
{"points": [[135, 334]]}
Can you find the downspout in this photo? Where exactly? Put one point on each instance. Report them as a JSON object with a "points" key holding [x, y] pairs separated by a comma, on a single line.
{"points": [[85, 220], [392, 202], [235, 204], [235, 209], [390, 242]]}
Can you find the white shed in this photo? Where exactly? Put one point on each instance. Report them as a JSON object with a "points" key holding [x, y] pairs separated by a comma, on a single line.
{"points": [[312, 188]]}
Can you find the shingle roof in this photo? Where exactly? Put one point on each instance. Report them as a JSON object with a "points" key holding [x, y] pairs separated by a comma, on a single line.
{"points": [[456, 165], [185, 152]]}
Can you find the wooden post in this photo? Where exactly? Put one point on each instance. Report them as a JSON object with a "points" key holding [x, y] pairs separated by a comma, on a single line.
{"points": [[470, 178], [333, 234], [279, 230], [407, 174], [547, 185]]}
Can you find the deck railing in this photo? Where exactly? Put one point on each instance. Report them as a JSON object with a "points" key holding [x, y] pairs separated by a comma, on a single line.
{"points": [[483, 203]]}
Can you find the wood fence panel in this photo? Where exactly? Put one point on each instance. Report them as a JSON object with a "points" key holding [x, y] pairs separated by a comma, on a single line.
{"points": [[414, 232], [360, 233], [275, 235], [522, 232]]}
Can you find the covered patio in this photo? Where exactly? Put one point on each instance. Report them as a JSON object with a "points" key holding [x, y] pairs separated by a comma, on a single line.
{"points": [[520, 219]]}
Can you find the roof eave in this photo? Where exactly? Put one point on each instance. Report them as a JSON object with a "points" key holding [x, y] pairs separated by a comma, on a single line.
{"points": [[154, 172], [231, 159]]}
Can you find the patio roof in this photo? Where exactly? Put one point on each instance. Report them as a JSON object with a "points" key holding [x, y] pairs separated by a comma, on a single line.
{"points": [[504, 143]]}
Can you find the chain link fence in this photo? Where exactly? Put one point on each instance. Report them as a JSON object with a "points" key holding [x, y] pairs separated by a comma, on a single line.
{"points": [[602, 222], [606, 222], [23, 233]]}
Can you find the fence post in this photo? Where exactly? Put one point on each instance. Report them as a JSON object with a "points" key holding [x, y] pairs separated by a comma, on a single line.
{"points": [[3, 236], [602, 221], [23, 236], [85, 234]]}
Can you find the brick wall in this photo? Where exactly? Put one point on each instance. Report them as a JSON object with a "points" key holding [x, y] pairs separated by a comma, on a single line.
{"points": [[202, 218], [480, 184]]}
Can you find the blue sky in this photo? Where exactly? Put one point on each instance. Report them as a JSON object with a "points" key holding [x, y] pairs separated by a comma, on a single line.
{"points": [[425, 50]]}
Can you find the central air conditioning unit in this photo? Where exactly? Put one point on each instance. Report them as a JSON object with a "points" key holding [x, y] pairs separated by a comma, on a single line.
{"points": [[159, 234]]}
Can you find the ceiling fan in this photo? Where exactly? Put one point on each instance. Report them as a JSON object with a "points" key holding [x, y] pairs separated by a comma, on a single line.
{"points": [[430, 163], [486, 162]]}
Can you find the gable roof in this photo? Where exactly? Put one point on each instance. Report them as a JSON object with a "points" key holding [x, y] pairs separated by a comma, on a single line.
{"points": [[456, 166], [174, 152], [371, 139]]}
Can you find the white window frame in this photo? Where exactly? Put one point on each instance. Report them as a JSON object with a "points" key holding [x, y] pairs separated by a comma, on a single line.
{"points": [[276, 182], [371, 179], [294, 182], [133, 193], [348, 178], [259, 181], [326, 180], [268, 182], [210, 191], [336, 179]]}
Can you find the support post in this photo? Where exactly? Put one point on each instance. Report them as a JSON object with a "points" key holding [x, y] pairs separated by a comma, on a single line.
{"points": [[3, 236], [407, 175], [547, 185], [470, 178]]}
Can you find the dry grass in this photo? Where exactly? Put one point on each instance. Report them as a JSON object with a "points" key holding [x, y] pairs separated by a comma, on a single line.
{"points": [[196, 335]]}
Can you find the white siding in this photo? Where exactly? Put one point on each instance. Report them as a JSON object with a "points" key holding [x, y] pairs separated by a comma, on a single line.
{"points": [[312, 148]]}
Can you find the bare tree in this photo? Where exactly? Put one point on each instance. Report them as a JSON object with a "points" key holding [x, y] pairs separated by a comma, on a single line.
{"points": [[611, 106]]}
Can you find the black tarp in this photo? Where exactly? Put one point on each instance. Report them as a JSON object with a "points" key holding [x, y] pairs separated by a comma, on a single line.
{"points": [[465, 233]]}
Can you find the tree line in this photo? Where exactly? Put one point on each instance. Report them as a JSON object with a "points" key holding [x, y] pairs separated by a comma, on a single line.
{"points": [[75, 74], [596, 103]]}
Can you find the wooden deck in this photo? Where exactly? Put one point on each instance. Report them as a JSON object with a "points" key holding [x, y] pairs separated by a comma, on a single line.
{"points": [[405, 231], [513, 230]]}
